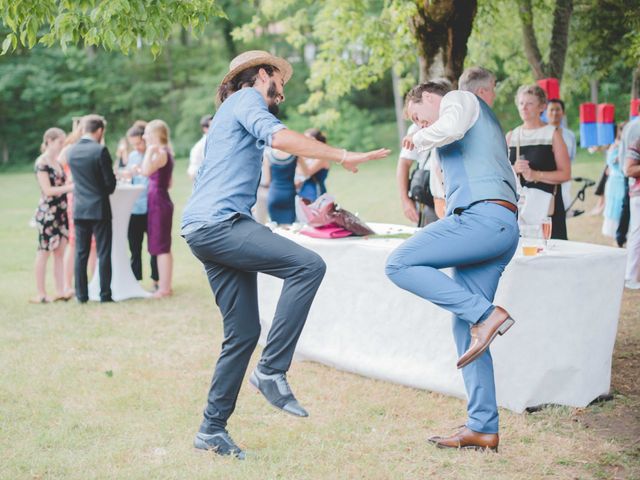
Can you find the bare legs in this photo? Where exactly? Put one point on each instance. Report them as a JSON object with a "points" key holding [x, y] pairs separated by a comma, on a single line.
{"points": [[165, 270], [42, 256]]}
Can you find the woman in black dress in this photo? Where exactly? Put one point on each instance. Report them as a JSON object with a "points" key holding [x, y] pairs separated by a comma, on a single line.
{"points": [[544, 159], [51, 215]]}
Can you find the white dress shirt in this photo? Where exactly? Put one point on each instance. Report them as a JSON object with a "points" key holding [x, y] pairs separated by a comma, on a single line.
{"points": [[196, 156], [459, 111]]}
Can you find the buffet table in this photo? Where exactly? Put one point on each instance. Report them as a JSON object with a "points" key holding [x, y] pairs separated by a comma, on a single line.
{"points": [[566, 302], [123, 283]]}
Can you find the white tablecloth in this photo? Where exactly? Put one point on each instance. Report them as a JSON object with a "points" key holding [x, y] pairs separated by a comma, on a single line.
{"points": [[123, 283], [566, 304]]}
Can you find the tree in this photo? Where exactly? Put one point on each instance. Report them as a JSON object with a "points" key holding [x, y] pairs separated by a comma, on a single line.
{"points": [[112, 24], [442, 29], [558, 43]]}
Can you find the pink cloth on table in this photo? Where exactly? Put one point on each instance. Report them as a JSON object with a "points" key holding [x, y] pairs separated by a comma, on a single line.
{"points": [[328, 231]]}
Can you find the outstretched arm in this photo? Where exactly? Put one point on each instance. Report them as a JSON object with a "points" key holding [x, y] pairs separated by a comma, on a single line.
{"points": [[297, 144]]}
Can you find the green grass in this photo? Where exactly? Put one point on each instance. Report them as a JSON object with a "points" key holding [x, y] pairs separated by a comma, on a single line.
{"points": [[116, 391]]}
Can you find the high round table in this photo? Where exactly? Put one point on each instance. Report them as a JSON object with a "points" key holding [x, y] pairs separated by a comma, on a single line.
{"points": [[123, 283], [566, 303]]}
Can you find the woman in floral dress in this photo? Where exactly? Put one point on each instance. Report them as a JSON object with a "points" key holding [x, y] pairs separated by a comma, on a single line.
{"points": [[51, 215]]}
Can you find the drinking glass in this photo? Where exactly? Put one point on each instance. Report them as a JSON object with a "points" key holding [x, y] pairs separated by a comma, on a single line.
{"points": [[546, 230]]}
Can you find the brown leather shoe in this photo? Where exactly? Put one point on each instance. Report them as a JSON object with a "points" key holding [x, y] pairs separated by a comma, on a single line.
{"points": [[482, 334], [468, 439]]}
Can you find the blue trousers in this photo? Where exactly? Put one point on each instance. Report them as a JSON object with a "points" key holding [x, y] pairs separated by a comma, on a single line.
{"points": [[479, 242]]}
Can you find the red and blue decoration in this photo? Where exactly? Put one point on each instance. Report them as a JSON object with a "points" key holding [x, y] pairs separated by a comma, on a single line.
{"points": [[606, 119], [634, 110], [588, 126], [551, 87]]}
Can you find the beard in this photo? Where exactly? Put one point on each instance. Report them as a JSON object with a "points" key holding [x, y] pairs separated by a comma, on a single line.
{"points": [[272, 94]]}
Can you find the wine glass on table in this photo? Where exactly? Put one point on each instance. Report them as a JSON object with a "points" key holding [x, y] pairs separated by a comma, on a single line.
{"points": [[546, 230]]}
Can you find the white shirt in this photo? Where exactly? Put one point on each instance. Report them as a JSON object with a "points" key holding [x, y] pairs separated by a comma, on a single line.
{"points": [[196, 156], [459, 111], [570, 140], [421, 157]]}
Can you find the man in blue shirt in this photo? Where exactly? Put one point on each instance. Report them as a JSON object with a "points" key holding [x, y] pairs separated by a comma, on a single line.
{"points": [[218, 226]]}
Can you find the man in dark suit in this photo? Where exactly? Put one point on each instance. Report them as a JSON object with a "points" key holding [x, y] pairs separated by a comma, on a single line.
{"points": [[94, 181]]}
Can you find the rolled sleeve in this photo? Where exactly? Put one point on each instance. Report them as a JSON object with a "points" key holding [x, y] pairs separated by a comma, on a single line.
{"points": [[252, 113]]}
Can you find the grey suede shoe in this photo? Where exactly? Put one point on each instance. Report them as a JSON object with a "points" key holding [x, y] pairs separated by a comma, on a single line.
{"points": [[277, 391], [220, 442]]}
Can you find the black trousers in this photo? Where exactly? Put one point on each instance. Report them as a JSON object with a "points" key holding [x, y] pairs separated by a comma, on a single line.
{"points": [[623, 226], [137, 229], [102, 231], [233, 252]]}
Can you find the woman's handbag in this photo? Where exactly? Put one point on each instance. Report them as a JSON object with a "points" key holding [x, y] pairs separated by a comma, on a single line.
{"points": [[534, 204]]}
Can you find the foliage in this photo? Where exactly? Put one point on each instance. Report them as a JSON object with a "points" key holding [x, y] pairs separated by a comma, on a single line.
{"points": [[604, 33], [496, 43], [46, 87], [355, 43], [112, 24]]}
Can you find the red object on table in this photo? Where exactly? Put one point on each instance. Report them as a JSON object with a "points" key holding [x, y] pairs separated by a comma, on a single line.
{"points": [[606, 113], [588, 112], [551, 86], [634, 110]]}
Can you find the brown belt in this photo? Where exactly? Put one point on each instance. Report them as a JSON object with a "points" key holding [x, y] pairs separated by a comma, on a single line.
{"points": [[502, 203]]}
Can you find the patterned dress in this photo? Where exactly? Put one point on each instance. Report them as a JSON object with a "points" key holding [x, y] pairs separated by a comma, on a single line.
{"points": [[51, 214]]}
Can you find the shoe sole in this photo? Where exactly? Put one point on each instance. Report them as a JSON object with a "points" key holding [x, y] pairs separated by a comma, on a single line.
{"points": [[477, 448], [253, 381], [501, 330]]}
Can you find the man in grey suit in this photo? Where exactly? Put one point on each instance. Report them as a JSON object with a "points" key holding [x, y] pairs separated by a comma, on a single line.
{"points": [[94, 181]]}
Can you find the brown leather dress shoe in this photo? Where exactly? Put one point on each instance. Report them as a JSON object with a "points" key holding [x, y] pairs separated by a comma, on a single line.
{"points": [[468, 439], [482, 334]]}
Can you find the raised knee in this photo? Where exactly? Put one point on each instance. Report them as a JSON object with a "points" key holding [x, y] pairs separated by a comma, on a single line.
{"points": [[394, 265], [315, 265]]}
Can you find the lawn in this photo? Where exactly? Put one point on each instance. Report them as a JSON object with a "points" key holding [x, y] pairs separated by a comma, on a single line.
{"points": [[116, 391]]}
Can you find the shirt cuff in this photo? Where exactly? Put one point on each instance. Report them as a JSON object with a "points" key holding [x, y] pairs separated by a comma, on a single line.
{"points": [[275, 129]]}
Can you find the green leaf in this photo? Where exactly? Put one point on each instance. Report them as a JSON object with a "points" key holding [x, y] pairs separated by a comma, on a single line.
{"points": [[6, 45]]}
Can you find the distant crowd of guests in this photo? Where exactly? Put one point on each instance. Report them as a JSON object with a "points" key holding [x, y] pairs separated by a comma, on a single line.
{"points": [[76, 175]]}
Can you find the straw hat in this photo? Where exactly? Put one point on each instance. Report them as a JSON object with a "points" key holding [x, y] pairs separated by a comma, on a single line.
{"points": [[258, 57]]}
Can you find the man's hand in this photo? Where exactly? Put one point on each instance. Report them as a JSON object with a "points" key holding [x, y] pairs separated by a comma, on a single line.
{"points": [[407, 142], [353, 159], [409, 209]]}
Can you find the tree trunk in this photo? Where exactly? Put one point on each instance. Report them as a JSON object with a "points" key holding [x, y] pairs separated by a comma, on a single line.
{"points": [[557, 45], [635, 80], [399, 107], [442, 29], [227, 28], [594, 90], [5, 153]]}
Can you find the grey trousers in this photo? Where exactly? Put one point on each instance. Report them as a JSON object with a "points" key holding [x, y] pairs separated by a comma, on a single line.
{"points": [[233, 252]]}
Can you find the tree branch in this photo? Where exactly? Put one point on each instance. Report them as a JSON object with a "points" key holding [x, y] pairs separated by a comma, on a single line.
{"points": [[559, 37], [530, 42]]}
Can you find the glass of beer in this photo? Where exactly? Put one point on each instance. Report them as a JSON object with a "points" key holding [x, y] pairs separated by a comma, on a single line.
{"points": [[546, 230]]}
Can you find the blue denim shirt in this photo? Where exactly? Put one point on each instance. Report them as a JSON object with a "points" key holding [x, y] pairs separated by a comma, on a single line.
{"points": [[227, 181], [140, 207]]}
